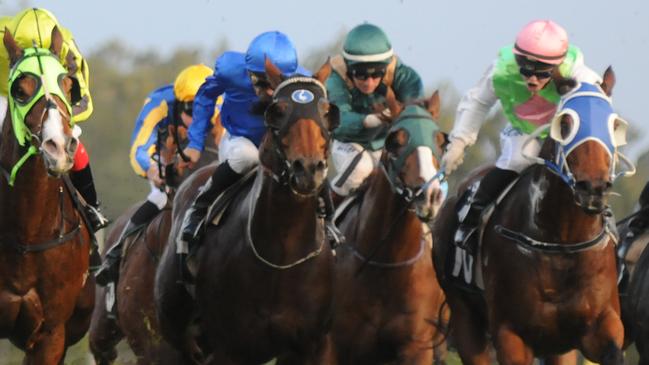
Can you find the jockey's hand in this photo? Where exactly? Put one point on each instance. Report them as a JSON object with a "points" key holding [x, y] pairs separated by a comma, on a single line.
{"points": [[454, 156], [153, 175], [372, 120], [193, 154], [386, 115]]}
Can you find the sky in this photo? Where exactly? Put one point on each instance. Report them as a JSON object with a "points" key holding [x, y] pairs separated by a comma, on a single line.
{"points": [[444, 41]]}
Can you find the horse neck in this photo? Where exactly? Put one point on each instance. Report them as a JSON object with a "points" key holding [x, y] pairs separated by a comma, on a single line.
{"points": [[553, 209], [283, 219], [34, 198], [386, 220]]}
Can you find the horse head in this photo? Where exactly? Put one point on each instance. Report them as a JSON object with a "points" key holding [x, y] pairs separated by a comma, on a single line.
{"points": [[411, 159], [300, 120], [586, 134], [39, 93]]}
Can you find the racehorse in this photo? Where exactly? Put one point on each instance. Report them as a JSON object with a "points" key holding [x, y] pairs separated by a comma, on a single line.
{"points": [[135, 311], [264, 280], [634, 301], [548, 259], [46, 297], [389, 304]]}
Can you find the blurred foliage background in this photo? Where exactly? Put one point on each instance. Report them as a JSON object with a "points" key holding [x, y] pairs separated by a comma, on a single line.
{"points": [[122, 77]]}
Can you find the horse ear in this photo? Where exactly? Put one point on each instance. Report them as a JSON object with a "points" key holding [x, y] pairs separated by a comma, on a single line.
{"points": [[432, 105], [441, 141], [608, 81], [274, 74], [13, 49], [57, 41], [393, 104], [323, 73], [563, 84], [396, 140]]}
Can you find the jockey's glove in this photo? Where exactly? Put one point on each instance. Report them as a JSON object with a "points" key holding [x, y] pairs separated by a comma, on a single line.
{"points": [[454, 156], [372, 121]]}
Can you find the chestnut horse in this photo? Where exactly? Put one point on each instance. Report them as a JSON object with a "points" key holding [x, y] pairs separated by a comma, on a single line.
{"points": [[136, 319], [45, 297], [389, 304], [548, 256], [265, 274]]}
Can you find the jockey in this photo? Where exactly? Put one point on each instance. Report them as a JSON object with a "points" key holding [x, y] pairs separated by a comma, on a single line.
{"points": [[242, 78], [521, 80], [168, 105], [367, 67], [34, 25]]}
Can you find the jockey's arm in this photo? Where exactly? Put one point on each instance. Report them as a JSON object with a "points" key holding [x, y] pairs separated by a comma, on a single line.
{"points": [[473, 109], [407, 84], [204, 105], [145, 136], [351, 123]]}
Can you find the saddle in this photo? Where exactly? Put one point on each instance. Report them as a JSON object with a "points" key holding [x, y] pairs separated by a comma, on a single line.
{"points": [[219, 208], [462, 267]]}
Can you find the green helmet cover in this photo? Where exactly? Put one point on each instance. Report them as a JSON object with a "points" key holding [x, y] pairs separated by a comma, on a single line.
{"points": [[421, 129], [367, 43], [45, 66]]}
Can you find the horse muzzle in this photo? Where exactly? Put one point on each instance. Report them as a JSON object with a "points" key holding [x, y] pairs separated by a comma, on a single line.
{"points": [[592, 197], [428, 204], [306, 176], [58, 154]]}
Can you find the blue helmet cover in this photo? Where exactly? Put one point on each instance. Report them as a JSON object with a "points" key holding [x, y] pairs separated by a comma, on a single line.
{"points": [[277, 47]]}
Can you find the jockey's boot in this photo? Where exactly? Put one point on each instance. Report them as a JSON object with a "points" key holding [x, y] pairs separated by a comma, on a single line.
{"points": [[109, 270], [84, 183], [222, 178], [490, 186], [636, 227], [327, 211]]}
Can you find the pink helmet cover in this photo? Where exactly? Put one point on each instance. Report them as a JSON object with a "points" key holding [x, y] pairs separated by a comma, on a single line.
{"points": [[542, 40]]}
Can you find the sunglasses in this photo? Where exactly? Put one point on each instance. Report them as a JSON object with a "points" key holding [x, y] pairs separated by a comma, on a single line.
{"points": [[364, 75], [539, 74], [187, 107], [259, 80]]}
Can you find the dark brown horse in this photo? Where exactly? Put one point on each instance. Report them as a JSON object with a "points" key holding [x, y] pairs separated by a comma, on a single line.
{"points": [[635, 308], [135, 310], [548, 258], [46, 297], [265, 274], [389, 304]]}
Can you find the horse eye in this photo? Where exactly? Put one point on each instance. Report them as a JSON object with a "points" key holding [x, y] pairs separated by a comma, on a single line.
{"points": [[24, 88], [566, 127]]}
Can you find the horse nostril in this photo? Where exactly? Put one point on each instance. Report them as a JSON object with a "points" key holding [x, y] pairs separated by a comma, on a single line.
{"points": [[50, 147], [321, 166], [298, 166], [73, 143], [584, 185]]}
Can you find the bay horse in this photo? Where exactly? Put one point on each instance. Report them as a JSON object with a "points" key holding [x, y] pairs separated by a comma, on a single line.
{"points": [[46, 296], [389, 304], [136, 319], [264, 280], [548, 255]]}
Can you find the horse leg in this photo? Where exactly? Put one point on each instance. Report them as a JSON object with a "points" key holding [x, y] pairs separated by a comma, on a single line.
{"points": [[511, 348], [603, 343], [469, 334], [77, 326], [104, 332], [50, 348], [440, 351]]}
